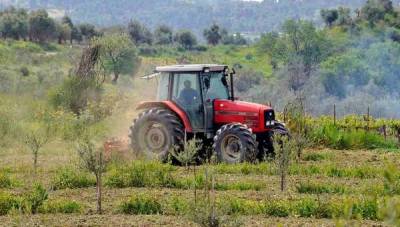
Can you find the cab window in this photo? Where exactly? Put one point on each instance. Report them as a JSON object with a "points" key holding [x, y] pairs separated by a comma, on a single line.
{"points": [[218, 88], [186, 89], [163, 87]]}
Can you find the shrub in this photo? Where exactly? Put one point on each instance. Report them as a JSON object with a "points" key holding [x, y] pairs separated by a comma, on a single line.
{"points": [[7, 203], [61, 206], [334, 137], [391, 181], [276, 208], [178, 205], [232, 206], [366, 208], [241, 186], [314, 188], [141, 204], [314, 157], [34, 199], [73, 94], [70, 178], [306, 208], [142, 174], [24, 71], [201, 48], [5, 180]]}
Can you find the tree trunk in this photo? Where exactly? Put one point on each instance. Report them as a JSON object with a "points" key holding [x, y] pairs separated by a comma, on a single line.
{"points": [[283, 179], [116, 76], [98, 192], [35, 160]]}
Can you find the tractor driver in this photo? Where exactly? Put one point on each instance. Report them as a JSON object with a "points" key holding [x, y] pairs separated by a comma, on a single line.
{"points": [[188, 95]]}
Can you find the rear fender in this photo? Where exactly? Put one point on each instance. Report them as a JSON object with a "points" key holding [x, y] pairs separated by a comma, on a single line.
{"points": [[171, 106]]}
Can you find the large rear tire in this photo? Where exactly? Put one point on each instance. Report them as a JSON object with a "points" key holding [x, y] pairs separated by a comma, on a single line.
{"points": [[155, 132], [235, 143]]}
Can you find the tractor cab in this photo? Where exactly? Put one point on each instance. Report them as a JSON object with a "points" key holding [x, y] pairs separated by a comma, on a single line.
{"points": [[193, 88], [198, 101]]}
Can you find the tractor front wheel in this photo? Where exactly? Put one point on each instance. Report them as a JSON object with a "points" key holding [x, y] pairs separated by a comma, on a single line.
{"points": [[155, 132], [235, 143]]}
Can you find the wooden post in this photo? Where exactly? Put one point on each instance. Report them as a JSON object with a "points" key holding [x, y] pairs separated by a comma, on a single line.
{"points": [[334, 114], [368, 119], [384, 131]]}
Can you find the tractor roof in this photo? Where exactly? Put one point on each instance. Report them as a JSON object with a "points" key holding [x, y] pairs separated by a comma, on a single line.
{"points": [[191, 68]]}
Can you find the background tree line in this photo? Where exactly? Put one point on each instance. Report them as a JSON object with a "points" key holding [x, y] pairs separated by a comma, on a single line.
{"points": [[238, 16], [37, 26], [352, 62]]}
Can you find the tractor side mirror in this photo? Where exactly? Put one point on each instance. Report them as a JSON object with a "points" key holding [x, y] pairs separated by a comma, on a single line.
{"points": [[207, 82]]}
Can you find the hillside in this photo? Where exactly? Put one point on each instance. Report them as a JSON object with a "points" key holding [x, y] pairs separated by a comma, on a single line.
{"points": [[237, 16]]}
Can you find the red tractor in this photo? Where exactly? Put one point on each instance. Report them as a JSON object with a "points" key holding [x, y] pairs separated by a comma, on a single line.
{"points": [[197, 101]]}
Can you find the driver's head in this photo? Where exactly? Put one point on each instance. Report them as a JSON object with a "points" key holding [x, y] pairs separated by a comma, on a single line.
{"points": [[187, 84]]}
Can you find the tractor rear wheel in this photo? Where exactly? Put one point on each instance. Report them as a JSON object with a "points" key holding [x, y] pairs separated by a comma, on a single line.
{"points": [[155, 132], [235, 143]]}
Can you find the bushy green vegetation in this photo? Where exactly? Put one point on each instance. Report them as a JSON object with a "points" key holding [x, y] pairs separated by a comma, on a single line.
{"points": [[60, 207], [141, 204], [7, 202], [313, 188], [68, 177], [5, 180]]}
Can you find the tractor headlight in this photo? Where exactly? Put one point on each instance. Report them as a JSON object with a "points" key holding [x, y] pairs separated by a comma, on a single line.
{"points": [[269, 123], [269, 116]]}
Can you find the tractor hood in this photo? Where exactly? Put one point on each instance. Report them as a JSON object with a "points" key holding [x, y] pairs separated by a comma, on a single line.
{"points": [[239, 106], [252, 114]]}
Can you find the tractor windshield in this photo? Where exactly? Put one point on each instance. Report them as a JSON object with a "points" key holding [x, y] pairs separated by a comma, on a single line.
{"points": [[218, 86]]}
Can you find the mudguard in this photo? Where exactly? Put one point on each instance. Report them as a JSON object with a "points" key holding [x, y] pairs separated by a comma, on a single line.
{"points": [[171, 106]]}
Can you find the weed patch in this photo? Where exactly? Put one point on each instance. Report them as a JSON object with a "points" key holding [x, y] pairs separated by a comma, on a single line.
{"points": [[60, 206], [315, 188], [141, 204], [5, 180], [7, 203], [315, 157], [70, 178]]}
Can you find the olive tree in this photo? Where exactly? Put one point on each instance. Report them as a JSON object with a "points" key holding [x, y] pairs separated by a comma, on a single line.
{"points": [[213, 35], [92, 160], [36, 137], [283, 148], [118, 54], [186, 39]]}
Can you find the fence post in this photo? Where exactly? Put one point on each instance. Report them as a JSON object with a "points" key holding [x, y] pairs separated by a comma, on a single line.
{"points": [[334, 114], [384, 132], [368, 119]]}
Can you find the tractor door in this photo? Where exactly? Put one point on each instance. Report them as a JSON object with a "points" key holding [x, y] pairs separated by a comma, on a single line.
{"points": [[186, 94], [214, 87]]}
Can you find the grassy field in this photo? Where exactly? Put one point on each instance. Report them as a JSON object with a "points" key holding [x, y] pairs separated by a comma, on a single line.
{"points": [[245, 194]]}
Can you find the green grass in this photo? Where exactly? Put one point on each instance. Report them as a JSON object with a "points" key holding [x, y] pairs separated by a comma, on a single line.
{"points": [[331, 136], [61, 207], [315, 157], [5, 180], [315, 188], [71, 178], [7, 203], [141, 204]]}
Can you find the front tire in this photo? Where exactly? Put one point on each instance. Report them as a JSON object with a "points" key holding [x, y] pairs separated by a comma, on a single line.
{"points": [[235, 143], [266, 141], [155, 132]]}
